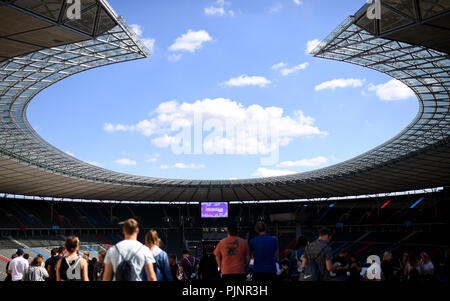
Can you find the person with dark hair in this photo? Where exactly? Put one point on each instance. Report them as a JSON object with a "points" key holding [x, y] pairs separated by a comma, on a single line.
{"points": [[161, 265], [399, 269], [99, 267], [232, 255], [295, 263], [129, 251], [208, 269], [47, 262], [319, 254], [264, 248], [188, 267], [26, 256], [91, 267], [72, 267], [52, 261], [18, 266], [355, 269], [36, 272], [173, 266], [284, 273], [412, 270], [342, 266]]}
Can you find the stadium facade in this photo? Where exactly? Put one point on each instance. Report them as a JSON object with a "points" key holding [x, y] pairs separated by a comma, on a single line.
{"points": [[40, 46]]}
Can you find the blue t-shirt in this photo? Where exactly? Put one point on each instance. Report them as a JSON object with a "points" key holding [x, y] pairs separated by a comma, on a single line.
{"points": [[265, 248]]}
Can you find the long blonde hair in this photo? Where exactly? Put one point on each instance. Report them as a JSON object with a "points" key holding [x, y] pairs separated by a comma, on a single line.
{"points": [[152, 238]]}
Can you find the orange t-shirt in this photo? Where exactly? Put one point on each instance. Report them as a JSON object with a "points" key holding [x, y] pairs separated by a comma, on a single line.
{"points": [[233, 253]]}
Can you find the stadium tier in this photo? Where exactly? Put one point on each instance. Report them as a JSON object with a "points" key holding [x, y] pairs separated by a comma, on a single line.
{"points": [[40, 46], [47, 195]]}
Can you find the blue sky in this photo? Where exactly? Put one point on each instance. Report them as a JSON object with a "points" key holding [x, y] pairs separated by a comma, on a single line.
{"points": [[243, 63]]}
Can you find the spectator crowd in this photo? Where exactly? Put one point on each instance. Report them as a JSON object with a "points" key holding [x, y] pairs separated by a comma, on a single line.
{"points": [[233, 259]]}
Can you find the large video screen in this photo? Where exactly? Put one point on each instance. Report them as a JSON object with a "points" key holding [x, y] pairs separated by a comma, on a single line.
{"points": [[215, 210]]}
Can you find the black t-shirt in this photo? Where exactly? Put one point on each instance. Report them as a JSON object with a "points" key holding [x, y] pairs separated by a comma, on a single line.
{"points": [[387, 268], [52, 263], [208, 269], [342, 263]]}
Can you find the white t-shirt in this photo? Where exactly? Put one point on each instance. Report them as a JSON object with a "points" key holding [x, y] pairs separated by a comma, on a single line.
{"points": [[374, 272], [139, 254], [18, 266]]}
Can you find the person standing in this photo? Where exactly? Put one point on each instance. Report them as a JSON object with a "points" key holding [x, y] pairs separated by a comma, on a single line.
{"points": [[173, 266], [427, 267], [342, 266], [208, 268], [51, 266], [36, 272], [129, 251], [319, 254], [161, 265], [295, 263], [188, 267], [355, 269], [264, 248], [18, 266], [99, 266], [387, 268], [232, 256], [72, 267], [8, 272]]}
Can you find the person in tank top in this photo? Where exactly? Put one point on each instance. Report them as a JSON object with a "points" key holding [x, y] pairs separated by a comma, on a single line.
{"points": [[72, 267]]}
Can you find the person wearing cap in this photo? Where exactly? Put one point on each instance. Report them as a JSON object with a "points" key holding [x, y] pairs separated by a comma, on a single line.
{"points": [[374, 271], [18, 266]]}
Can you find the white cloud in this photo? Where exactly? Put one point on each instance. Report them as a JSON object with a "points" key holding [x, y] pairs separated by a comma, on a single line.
{"points": [[183, 166], [165, 141], [148, 42], [276, 8], [192, 165], [220, 7], [125, 161], [278, 66], [146, 127], [246, 124], [152, 158], [392, 90], [286, 71], [305, 162], [191, 41], [310, 45], [298, 2], [340, 83], [245, 80], [266, 172]]}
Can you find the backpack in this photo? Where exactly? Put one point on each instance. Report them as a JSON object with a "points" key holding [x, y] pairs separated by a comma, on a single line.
{"points": [[73, 272], [312, 271], [125, 270], [32, 274], [193, 274]]}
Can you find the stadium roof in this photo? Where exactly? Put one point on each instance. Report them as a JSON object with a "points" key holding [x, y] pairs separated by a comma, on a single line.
{"points": [[39, 47]]}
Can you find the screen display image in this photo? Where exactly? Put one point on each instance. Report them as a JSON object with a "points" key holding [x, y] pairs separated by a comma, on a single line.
{"points": [[215, 210]]}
